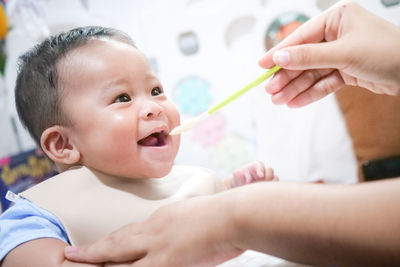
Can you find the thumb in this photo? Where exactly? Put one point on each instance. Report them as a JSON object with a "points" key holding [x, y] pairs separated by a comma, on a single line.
{"points": [[310, 56]]}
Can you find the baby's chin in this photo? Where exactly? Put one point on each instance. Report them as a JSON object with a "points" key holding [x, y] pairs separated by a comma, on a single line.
{"points": [[158, 172]]}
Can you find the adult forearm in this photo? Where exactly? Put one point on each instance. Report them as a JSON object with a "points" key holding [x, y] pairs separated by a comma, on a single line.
{"points": [[321, 224], [353, 225]]}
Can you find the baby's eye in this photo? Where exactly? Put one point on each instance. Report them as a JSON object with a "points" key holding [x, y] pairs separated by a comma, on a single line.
{"points": [[156, 91], [122, 98]]}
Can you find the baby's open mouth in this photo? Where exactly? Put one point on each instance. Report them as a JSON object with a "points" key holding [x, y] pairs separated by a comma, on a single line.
{"points": [[154, 139]]}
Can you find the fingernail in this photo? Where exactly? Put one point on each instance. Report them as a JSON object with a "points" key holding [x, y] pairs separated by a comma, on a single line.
{"points": [[281, 58], [70, 250]]}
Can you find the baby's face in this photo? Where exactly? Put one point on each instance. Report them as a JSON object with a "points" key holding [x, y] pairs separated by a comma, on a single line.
{"points": [[119, 112]]}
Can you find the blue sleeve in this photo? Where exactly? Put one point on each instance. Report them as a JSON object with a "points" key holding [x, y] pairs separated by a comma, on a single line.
{"points": [[24, 222]]}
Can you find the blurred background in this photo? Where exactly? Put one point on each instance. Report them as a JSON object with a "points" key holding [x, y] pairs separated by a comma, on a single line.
{"points": [[202, 51]]}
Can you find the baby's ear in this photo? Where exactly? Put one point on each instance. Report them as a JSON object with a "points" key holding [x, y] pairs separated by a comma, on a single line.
{"points": [[58, 146]]}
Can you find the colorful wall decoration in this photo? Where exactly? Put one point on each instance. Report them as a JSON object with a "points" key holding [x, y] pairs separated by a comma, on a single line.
{"points": [[21, 171]]}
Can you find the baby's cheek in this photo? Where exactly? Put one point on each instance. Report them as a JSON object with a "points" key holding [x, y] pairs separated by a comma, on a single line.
{"points": [[173, 114], [119, 142]]}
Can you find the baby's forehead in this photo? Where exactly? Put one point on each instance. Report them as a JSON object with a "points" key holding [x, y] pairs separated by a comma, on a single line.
{"points": [[93, 48], [102, 60], [80, 58], [100, 43]]}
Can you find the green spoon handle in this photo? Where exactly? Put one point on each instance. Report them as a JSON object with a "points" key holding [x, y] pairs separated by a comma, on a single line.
{"points": [[243, 90]]}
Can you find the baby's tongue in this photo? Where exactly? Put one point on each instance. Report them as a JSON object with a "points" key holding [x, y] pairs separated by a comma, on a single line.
{"points": [[149, 141]]}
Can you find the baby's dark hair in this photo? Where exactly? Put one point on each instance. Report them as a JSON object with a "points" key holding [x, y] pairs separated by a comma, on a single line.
{"points": [[37, 88]]}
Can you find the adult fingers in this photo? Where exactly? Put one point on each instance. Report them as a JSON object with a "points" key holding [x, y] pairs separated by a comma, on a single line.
{"points": [[280, 80], [119, 246], [330, 83], [312, 56], [298, 85], [117, 264], [140, 263]]}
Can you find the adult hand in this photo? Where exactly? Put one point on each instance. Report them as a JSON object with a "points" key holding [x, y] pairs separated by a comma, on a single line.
{"points": [[193, 238], [344, 45]]}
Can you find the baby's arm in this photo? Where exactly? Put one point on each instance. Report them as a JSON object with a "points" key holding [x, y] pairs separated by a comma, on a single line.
{"points": [[250, 173], [44, 252], [31, 236]]}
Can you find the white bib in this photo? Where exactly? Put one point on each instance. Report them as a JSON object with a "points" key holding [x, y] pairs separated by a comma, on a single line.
{"points": [[91, 204]]}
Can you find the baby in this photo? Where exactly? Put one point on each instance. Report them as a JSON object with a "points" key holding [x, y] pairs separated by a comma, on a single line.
{"points": [[90, 99]]}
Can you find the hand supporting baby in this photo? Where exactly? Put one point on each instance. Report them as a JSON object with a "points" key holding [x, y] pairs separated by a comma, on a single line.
{"points": [[162, 242]]}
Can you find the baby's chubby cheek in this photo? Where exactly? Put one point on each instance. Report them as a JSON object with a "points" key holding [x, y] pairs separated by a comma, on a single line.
{"points": [[120, 130], [176, 122], [118, 118]]}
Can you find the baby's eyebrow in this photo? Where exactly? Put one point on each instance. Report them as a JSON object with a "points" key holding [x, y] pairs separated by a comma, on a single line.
{"points": [[112, 85], [109, 88], [115, 82], [152, 78]]}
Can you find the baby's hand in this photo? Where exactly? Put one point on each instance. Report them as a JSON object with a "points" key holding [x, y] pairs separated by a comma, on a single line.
{"points": [[253, 172]]}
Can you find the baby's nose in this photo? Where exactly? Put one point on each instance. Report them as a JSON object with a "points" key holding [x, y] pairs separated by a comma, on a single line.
{"points": [[150, 109]]}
